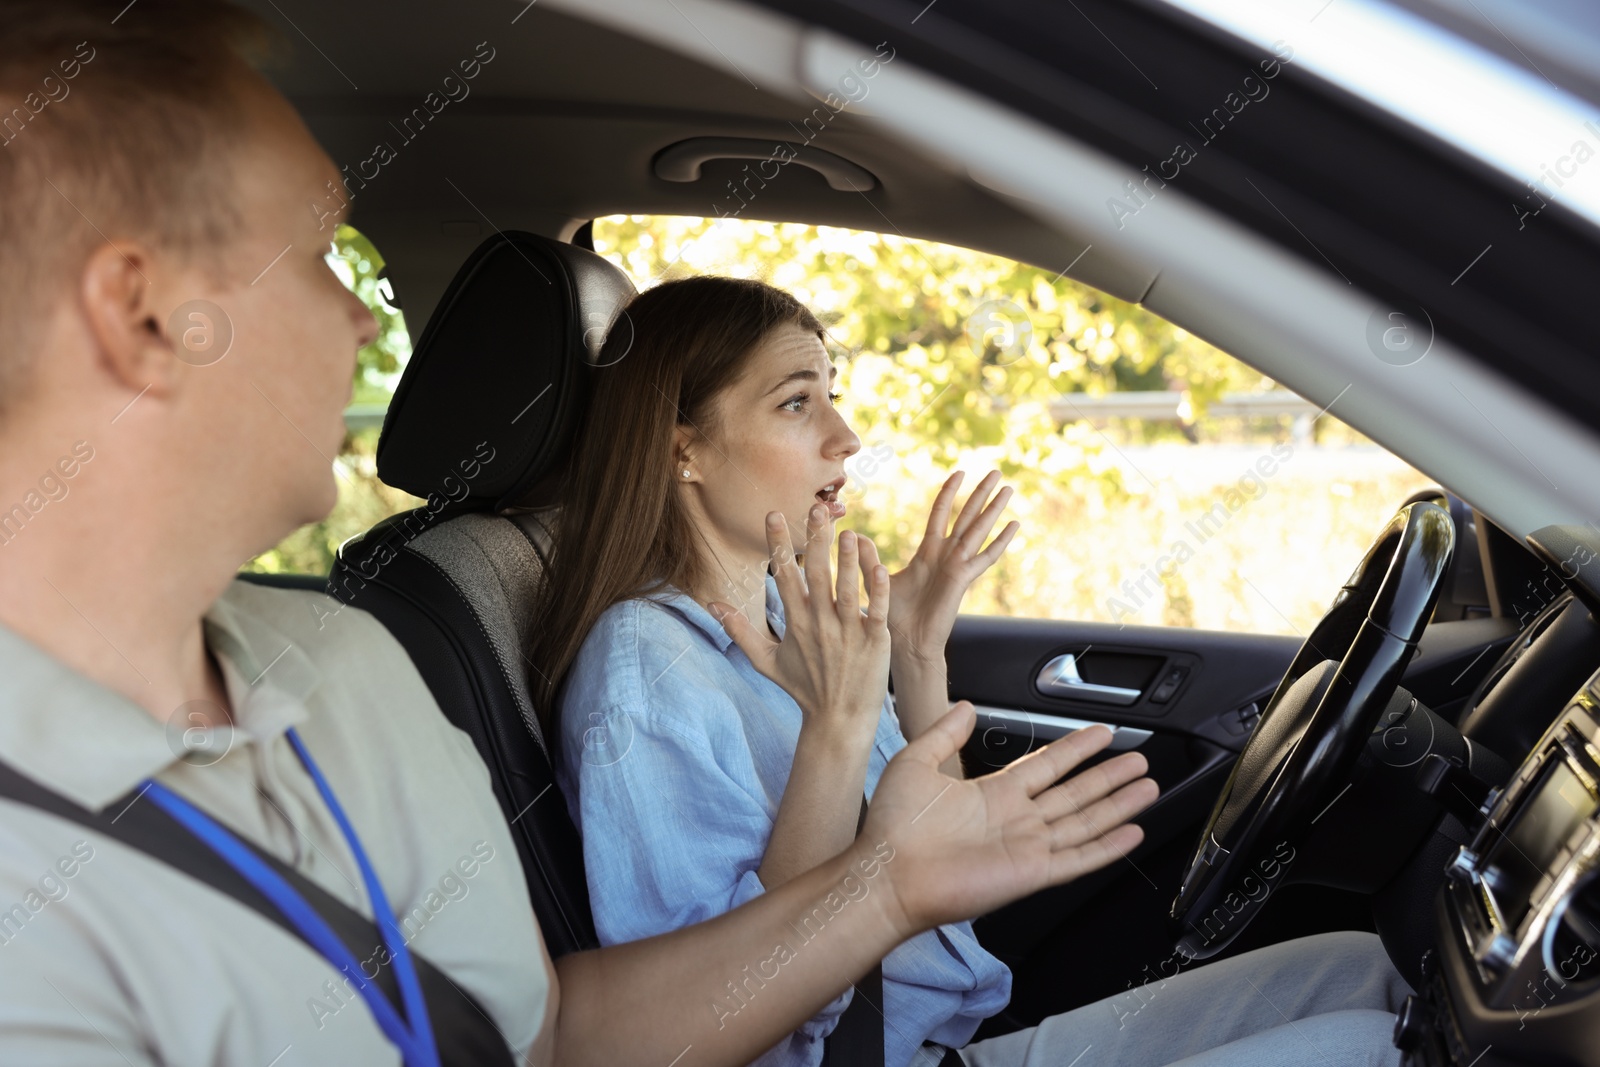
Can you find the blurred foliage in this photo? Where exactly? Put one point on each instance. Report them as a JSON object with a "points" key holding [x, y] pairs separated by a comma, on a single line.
{"points": [[950, 357], [361, 268], [938, 314], [363, 499]]}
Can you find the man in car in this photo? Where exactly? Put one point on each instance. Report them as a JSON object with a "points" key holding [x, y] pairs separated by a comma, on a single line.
{"points": [[163, 901]]}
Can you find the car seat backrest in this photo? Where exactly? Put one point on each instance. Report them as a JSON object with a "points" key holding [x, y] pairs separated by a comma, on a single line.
{"points": [[480, 428]]}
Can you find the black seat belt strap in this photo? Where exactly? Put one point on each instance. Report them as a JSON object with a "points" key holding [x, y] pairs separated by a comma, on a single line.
{"points": [[857, 1039], [462, 1029]]}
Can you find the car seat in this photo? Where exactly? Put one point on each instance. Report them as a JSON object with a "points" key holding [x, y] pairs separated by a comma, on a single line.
{"points": [[480, 427]]}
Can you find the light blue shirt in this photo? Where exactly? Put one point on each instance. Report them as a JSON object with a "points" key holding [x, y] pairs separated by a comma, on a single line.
{"points": [[674, 754]]}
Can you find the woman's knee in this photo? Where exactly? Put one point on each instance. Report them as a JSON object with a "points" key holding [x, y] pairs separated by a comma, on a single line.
{"points": [[1355, 961]]}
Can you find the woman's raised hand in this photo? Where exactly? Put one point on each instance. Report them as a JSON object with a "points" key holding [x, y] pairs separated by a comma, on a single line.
{"points": [[927, 594], [834, 658]]}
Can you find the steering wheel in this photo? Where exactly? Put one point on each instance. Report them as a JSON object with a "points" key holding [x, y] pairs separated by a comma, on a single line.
{"points": [[1313, 729]]}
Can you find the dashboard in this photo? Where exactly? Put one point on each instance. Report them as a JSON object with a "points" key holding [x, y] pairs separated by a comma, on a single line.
{"points": [[1515, 978]]}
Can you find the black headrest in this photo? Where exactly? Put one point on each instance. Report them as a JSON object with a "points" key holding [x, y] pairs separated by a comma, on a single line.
{"points": [[488, 405]]}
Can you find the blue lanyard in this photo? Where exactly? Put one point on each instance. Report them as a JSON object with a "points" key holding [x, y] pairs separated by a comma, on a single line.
{"points": [[414, 1040]]}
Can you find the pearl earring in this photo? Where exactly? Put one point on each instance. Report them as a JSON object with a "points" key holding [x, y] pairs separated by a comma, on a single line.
{"points": [[686, 474]]}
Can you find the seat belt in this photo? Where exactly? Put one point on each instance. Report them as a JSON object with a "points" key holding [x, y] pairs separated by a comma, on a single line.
{"points": [[857, 1038], [462, 1030]]}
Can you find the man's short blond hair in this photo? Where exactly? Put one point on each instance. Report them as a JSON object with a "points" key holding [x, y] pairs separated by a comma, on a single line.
{"points": [[117, 120]]}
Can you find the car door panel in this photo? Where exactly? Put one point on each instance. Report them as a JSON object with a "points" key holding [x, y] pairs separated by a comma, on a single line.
{"points": [[997, 663], [1216, 683]]}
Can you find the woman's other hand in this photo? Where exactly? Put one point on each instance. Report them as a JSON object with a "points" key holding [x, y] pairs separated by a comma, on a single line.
{"points": [[927, 594], [833, 658], [834, 661]]}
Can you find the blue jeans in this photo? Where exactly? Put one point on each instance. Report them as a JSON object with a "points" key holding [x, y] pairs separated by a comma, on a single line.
{"points": [[1322, 1001]]}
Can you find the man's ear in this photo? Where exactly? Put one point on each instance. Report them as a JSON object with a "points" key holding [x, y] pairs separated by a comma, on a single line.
{"points": [[119, 302]]}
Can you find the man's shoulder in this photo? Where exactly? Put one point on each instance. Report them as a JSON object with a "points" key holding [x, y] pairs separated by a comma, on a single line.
{"points": [[322, 625], [368, 694], [363, 672]]}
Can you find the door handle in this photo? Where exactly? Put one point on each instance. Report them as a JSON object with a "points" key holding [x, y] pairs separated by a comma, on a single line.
{"points": [[1060, 678], [1035, 727]]}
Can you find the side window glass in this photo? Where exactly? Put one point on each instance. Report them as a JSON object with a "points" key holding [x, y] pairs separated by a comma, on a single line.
{"points": [[1159, 480]]}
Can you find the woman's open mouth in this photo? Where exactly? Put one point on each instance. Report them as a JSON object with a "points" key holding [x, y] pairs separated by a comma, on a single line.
{"points": [[829, 495]]}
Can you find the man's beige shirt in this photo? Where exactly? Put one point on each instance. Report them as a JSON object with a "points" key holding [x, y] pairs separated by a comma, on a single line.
{"points": [[108, 956]]}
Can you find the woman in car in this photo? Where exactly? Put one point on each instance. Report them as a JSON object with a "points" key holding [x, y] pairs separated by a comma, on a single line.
{"points": [[720, 725]]}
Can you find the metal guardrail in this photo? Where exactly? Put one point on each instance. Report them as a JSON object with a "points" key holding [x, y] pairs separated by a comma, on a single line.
{"points": [[1162, 404], [364, 416], [1158, 404]]}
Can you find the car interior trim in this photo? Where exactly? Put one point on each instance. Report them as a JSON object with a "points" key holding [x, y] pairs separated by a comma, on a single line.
{"points": [[1444, 85], [1044, 728]]}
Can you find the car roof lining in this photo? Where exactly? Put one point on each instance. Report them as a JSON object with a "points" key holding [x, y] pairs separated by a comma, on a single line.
{"points": [[604, 104]]}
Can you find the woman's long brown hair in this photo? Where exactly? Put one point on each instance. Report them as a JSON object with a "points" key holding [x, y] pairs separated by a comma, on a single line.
{"points": [[623, 530]]}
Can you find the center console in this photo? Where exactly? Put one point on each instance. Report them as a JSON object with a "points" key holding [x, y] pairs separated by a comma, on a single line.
{"points": [[1516, 976]]}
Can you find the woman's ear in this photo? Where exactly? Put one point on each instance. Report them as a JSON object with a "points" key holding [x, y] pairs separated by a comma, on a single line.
{"points": [[683, 441]]}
